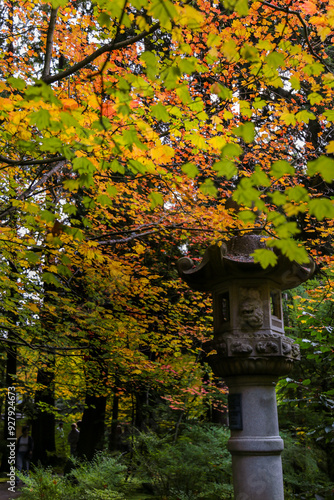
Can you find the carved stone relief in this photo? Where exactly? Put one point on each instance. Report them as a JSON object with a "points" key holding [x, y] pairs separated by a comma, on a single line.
{"points": [[286, 348], [241, 348], [267, 347], [251, 309]]}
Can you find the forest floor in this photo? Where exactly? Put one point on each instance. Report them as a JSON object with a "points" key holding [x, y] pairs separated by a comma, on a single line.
{"points": [[6, 494]]}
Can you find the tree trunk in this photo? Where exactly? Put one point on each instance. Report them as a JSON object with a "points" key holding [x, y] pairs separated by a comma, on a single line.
{"points": [[43, 426], [10, 380], [114, 440], [91, 437]]}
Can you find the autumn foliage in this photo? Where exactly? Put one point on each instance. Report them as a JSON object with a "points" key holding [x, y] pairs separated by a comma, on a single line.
{"points": [[135, 132]]}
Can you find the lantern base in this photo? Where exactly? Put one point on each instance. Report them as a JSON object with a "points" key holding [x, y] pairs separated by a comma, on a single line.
{"points": [[259, 354], [255, 443]]}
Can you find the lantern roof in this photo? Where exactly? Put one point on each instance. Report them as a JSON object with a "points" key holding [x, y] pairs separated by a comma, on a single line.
{"points": [[233, 260]]}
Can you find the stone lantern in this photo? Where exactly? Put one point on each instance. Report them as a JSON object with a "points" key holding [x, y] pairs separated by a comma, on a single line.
{"points": [[250, 351]]}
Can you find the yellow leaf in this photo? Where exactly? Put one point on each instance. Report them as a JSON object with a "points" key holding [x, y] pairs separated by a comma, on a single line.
{"points": [[288, 118], [230, 50], [53, 269], [139, 249], [162, 153], [33, 308], [330, 147], [190, 17], [217, 142]]}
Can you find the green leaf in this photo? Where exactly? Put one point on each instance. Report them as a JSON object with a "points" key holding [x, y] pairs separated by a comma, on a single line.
{"points": [[305, 116], [275, 60], [16, 83], [117, 167], [156, 199], [323, 166], [322, 208], [111, 190], [65, 260], [221, 91], [287, 230], [58, 3], [297, 194], [280, 168], [69, 120], [245, 131], [225, 168], [40, 118], [104, 200], [104, 19], [260, 178], [239, 6], [160, 113], [208, 188], [190, 170], [170, 77], [69, 208], [51, 144], [137, 167], [41, 91], [231, 150], [249, 52], [187, 65], [47, 216], [276, 218], [288, 118], [183, 94], [314, 69], [259, 103], [278, 198], [83, 165], [291, 249], [247, 216], [71, 184], [32, 257], [51, 279], [197, 140], [329, 114], [163, 11], [265, 257], [151, 63], [315, 98], [295, 83], [247, 195]]}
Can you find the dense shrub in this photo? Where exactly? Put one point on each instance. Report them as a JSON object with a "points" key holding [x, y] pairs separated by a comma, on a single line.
{"points": [[304, 470], [198, 465], [101, 479]]}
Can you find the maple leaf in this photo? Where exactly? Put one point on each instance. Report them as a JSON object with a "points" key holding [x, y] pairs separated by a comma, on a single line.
{"points": [[308, 7]]}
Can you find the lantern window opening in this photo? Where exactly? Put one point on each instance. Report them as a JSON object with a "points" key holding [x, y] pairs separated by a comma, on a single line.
{"points": [[275, 304], [225, 307]]}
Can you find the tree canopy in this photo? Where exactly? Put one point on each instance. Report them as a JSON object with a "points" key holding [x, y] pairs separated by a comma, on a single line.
{"points": [[132, 133]]}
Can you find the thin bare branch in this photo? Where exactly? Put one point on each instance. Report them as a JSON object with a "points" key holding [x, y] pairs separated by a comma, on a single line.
{"points": [[33, 187], [287, 10], [105, 48], [49, 43], [8, 161]]}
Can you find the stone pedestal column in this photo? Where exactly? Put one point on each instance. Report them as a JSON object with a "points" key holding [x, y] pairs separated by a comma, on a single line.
{"points": [[250, 351], [255, 443]]}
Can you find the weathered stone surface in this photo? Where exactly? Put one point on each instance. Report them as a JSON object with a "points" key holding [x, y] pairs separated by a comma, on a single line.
{"points": [[249, 350], [256, 448], [232, 260], [254, 354]]}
